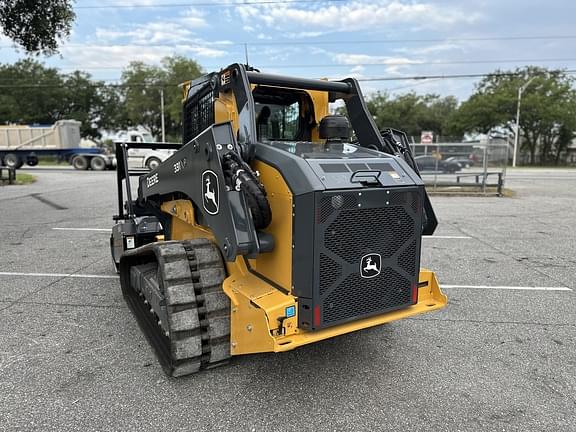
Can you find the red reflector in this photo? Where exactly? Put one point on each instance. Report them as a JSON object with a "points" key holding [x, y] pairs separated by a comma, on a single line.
{"points": [[317, 316], [414, 293]]}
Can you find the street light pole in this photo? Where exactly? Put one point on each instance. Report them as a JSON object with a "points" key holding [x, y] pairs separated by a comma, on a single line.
{"points": [[517, 128], [162, 114]]}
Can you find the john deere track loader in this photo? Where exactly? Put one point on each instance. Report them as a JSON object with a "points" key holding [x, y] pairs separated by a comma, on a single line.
{"points": [[274, 225]]}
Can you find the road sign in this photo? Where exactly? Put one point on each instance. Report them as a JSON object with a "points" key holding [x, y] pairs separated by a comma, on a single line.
{"points": [[427, 137]]}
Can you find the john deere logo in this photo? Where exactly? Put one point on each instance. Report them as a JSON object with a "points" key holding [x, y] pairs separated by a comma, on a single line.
{"points": [[210, 192], [370, 265]]}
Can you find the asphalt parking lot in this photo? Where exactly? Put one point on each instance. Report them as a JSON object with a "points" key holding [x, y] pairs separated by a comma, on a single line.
{"points": [[501, 356]]}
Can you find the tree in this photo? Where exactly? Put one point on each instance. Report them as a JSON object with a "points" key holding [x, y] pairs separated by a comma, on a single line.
{"points": [[37, 26], [548, 109], [413, 113], [142, 85], [178, 70], [32, 93]]}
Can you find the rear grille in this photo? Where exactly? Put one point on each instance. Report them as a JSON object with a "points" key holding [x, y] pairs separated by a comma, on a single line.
{"points": [[383, 222], [354, 232], [357, 297]]}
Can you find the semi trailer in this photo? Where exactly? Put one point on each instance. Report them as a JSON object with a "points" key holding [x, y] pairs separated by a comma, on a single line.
{"points": [[23, 144]]}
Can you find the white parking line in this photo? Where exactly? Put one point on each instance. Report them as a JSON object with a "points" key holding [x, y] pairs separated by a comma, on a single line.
{"points": [[109, 230], [60, 275], [83, 229], [446, 237], [93, 276], [528, 288]]}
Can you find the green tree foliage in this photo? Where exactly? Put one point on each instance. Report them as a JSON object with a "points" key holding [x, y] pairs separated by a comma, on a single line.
{"points": [[178, 70], [548, 110], [36, 26], [414, 113], [143, 102], [32, 93], [141, 93]]}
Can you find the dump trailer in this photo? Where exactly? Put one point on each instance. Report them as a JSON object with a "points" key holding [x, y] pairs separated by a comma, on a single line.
{"points": [[24, 144], [274, 225]]}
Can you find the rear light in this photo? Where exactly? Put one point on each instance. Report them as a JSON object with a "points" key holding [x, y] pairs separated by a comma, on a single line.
{"points": [[316, 316], [414, 293]]}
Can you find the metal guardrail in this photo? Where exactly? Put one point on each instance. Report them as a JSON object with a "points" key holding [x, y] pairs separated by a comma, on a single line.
{"points": [[484, 184], [480, 181], [11, 178]]}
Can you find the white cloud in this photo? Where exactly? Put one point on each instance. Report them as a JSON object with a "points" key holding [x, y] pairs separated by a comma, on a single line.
{"points": [[173, 30], [192, 18], [356, 15], [148, 42], [432, 49], [304, 34], [353, 59], [118, 56]]}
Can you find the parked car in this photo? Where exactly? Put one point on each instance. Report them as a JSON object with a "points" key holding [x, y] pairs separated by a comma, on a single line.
{"points": [[430, 163], [463, 161]]}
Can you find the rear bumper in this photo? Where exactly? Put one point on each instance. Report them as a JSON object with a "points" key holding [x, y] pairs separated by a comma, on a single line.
{"points": [[430, 298]]}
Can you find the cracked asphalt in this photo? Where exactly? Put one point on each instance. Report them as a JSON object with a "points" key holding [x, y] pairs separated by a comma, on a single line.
{"points": [[72, 356]]}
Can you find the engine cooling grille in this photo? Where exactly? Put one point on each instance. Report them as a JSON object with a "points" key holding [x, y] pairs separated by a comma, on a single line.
{"points": [[350, 227], [360, 297]]}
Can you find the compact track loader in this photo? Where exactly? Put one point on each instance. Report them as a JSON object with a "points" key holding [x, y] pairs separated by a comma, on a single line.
{"points": [[274, 225]]}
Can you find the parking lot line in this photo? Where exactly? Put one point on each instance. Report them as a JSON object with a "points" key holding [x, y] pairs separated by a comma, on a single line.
{"points": [[446, 237], [528, 288], [109, 230], [61, 275], [93, 276], [83, 229]]}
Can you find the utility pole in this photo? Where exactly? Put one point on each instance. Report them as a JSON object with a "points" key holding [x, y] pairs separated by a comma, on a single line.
{"points": [[517, 128], [246, 53], [162, 110]]}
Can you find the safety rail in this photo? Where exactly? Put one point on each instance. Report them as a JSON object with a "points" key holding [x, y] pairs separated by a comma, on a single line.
{"points": [[480, 181], [484, 184]]}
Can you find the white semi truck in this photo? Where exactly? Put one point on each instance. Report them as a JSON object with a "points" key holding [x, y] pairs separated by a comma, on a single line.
{"points": [[143, 157], [24, 144]]}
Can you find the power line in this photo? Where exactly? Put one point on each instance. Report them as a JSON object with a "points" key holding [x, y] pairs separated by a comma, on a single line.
{"points": [[398, 78], [331, 42], [391, 41], [205, 4], [346, 65], [458, 76]]}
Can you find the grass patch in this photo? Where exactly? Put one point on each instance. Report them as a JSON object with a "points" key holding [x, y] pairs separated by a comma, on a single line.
{"points": [[48, 161], [23, 179]]}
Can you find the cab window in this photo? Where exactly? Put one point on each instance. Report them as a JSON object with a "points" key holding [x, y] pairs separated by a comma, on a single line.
{"points": [[283, 114]]}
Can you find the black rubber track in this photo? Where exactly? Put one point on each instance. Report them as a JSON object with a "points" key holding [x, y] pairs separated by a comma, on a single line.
{"points": [[189, 275]]}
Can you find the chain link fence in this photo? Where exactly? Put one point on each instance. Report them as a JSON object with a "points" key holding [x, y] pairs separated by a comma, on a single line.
{"points": [[471, 167]]}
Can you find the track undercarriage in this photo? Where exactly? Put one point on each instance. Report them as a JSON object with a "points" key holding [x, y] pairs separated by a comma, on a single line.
{"points": [[175, 291]]}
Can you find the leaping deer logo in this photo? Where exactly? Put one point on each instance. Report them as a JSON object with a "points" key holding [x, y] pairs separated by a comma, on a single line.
{"points": [[370, 265], [210, 192]]}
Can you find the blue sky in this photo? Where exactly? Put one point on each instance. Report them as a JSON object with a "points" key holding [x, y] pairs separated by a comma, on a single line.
{"points": [[334, 39]]}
